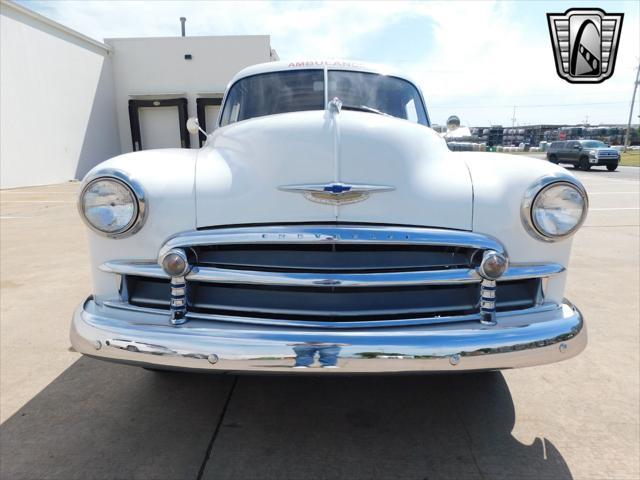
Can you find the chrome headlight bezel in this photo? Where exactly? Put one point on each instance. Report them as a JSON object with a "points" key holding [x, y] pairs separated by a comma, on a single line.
{"points": [[141, 207], [540, 186]]}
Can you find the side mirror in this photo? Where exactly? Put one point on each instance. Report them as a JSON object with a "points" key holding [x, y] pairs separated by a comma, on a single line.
{"points": [[575, 147], [193, 126]]}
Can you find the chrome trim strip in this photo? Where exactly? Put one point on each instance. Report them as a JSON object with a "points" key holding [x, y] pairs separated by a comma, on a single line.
{"points": [[534, 270], [131, 267], [332, 234], [475, 317], [534, 340], [296, 279]]}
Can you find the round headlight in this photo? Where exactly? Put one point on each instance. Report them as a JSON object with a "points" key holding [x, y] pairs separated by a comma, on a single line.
{"points": [[558, 210], [109, 206]]}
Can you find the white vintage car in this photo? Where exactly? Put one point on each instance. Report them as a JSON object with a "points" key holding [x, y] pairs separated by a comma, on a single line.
{"points": [[324, 226]]}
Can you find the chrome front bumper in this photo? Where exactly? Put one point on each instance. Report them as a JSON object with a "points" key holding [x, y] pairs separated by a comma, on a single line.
{"points": [[523, 338]]}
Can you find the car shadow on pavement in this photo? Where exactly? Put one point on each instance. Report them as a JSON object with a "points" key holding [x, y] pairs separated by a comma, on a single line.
{"points": [[100, 420]]}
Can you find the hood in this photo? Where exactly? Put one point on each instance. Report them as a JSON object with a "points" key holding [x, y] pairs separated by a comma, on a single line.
{"points": [[241, 172]]}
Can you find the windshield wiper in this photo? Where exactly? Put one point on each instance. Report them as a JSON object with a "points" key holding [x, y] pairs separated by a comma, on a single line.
{"points": [[363, 108]]}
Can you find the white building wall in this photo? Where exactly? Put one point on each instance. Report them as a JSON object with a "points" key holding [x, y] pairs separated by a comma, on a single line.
{"points": [[57, 101], [156, 67]]}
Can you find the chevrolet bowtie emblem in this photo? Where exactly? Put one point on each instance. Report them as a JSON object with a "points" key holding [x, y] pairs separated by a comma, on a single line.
{"points": [[336, 193], [337, 188]]}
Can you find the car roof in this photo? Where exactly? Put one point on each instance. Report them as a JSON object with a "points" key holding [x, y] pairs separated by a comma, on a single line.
{"points": [[350, 65]]}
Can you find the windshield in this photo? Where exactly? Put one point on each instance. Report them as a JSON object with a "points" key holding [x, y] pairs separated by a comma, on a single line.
{"points": [[271, 93], [388, 95], [301, 90], [593, 144]]}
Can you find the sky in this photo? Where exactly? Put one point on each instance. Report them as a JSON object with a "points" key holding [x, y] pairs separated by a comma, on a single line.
{"points": [[477, 60]]}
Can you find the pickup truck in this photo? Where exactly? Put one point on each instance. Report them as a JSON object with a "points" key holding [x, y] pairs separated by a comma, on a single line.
{"points": [[584, 154]]}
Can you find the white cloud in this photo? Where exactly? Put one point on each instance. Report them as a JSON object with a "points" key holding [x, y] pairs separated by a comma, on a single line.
{"points": [[486, 56]]}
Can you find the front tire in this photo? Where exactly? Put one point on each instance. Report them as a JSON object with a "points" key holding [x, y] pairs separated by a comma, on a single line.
{"points": [[553, 159], [613, 167], [584, 164]]}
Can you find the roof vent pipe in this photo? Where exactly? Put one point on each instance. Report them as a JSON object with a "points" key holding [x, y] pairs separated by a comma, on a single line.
{"points": [[183, 21]]}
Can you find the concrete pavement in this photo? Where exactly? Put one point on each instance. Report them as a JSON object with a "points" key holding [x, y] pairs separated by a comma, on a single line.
{"points": [[69, 417]]}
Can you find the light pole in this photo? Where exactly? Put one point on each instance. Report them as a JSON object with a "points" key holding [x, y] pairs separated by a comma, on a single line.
{"points": [[633, 99]]}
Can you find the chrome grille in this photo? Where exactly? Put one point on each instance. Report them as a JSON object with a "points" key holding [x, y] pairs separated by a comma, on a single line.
{"points": [[332, 274], [335, 257], [333, 304]]}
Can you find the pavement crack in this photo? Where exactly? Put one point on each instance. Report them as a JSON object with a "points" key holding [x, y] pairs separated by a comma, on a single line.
{"points": [[217, 429], [467, 434]]}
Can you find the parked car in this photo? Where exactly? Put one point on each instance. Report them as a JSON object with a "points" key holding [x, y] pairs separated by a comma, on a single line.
{"points": [[325, 225], [584, 154]]}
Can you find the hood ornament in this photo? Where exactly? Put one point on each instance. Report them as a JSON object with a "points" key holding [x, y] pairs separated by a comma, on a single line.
{"points": [[336, 193], [335, 105]]}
